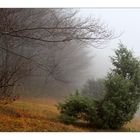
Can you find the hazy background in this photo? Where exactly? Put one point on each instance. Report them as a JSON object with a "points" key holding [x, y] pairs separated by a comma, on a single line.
{"points": [[125, 25], [58, 69], [124, 22]]}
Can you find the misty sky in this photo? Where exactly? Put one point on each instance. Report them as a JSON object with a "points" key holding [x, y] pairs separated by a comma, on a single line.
{"points": [[126, 21]]}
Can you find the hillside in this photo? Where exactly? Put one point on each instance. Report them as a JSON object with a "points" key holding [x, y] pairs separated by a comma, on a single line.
{"points": [[40, 115]]}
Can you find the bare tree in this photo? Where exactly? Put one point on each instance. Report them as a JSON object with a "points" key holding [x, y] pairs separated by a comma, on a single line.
{"points": [[27, 36]]}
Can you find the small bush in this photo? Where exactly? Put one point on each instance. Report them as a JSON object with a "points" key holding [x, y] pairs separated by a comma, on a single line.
{"points": [[77, 107]]}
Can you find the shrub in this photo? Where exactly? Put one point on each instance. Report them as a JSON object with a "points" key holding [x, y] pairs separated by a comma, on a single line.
{"points": [[77, 107]]}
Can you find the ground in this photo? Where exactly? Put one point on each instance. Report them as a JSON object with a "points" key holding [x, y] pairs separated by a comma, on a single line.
{"points": [[41, 115]]}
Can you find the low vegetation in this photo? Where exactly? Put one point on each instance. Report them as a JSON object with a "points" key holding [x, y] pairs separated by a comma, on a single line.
{"points": [[77, 107]]}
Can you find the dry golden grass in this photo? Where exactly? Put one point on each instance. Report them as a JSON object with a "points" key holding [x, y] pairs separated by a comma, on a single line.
{"points": [[40, 115], [32, 115], [134, 125]]}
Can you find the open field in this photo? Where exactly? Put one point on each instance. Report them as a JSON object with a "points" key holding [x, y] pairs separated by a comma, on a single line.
{"points": [[40, 115]]}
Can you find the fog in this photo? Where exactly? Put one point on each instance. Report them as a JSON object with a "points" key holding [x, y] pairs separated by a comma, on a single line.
{"points": [[125, 23], [46, 52], [53, 52]]}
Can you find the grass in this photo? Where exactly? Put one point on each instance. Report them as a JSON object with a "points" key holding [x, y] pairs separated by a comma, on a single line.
{"points": [[32, 115], [41, 115]]}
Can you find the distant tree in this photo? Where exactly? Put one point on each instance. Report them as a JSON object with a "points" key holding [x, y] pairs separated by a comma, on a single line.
{"points": [[94, 88]]}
